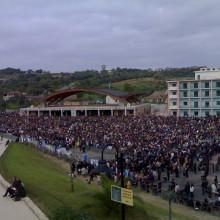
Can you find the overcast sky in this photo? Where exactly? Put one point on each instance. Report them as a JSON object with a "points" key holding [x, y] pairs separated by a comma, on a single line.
{"points": [[69, 35]]}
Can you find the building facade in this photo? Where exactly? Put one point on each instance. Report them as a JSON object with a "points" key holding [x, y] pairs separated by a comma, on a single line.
{"points": [[196, 98]]}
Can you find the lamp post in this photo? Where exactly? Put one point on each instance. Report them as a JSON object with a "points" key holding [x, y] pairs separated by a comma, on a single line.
{"points": [[120, 164], [170, 210], [122, 185], [102, 167], [170, 195], [72, 170]]}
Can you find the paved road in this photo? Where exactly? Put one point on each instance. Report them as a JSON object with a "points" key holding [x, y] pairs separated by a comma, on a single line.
{"points": [[10, 210]]}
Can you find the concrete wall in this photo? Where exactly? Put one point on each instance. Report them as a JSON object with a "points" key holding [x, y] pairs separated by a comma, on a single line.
{"points": [[207, 75], [144, 109], [159, 109], [110, 100]]}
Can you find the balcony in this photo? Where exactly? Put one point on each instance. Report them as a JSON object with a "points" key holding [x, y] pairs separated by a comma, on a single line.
{"points": [[172, 88], [172, 107], [172, 96]]}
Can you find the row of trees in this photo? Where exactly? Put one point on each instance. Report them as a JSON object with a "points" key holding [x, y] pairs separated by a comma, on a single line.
{"points": [[14, 103], [36, 83]]}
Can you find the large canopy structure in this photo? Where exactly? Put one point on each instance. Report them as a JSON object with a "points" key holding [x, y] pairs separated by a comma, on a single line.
{"points": [[116, 95], [117, 104]]}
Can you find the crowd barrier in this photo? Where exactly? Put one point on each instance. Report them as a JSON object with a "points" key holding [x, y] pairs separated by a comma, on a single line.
{"points": [[41, 145], [59, 152]]}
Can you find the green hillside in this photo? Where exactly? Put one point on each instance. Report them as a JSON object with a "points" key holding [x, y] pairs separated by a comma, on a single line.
{"points": [[39, 82], [145, 85]]}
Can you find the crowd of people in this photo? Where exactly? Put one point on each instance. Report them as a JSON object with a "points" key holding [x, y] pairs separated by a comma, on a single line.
{"points": [[157, 149]]}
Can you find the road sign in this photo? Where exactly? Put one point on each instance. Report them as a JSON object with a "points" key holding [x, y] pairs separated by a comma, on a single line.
{"points": [[127, 196], [122, 195]]}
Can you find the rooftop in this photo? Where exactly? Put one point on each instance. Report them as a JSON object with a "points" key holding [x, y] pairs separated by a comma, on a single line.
{"points": [[59, 96], [205, 69]]}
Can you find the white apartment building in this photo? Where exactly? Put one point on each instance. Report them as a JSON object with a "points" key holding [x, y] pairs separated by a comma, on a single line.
{"points": [[196, 98]]}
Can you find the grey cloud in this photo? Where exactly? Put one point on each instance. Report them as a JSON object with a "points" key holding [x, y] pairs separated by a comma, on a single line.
{"points": [[73, 34]]}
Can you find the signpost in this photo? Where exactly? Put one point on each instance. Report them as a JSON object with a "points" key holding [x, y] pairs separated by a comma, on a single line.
{"points": [[122, 195]]}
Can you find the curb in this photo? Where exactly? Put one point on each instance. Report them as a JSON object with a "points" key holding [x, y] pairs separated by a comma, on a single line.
{"points": [[28, 202], [36, 211]]}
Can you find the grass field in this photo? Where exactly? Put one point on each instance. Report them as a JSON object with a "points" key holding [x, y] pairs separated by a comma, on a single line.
{"points": [[48, 184], [146, 84], [140, 85]]}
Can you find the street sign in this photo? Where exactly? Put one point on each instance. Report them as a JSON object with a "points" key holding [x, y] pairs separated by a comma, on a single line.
{"points": [[127, 196], [122, 195]]}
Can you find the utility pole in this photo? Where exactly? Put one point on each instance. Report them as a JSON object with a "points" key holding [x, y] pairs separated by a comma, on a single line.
{"points": [[71, 178], [122, 185], [170, 211]]}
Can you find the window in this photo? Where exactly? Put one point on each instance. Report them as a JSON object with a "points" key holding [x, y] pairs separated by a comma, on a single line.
{"points": [[185, 103], [218, 84], [196, 113], [174, 93], [198, 77], [206, 93], [218, 93], [185, 113], [185, 85], [196, 85], [206, 104], [184, 94], [174, 113], [207, 113], [218, 113], [196, 94], [196, 104], [173, 84], [206, 85], [217, 102], [174, 103]]}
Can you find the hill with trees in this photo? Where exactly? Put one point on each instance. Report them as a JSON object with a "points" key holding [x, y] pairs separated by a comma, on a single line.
{"points": [[40, 82]]}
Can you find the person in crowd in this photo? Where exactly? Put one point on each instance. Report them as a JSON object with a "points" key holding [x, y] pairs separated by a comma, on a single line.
{"points": [[16, 190], [197, 205], [7, 143], [214, 189], [206, 205], [177, 188], [217, 202], [12, 189], [73, 168], [20, 191], [192, 189], [216, 181], [187, 189], [129, 185], [204, 186]]}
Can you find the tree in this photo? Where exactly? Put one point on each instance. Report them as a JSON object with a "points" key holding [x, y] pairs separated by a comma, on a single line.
{"points": [[128, 88]]}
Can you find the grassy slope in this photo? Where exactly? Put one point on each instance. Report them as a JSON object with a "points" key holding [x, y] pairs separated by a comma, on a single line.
{"points": [[48, 184], [144, 84], [141, 84], [45, 181]]}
